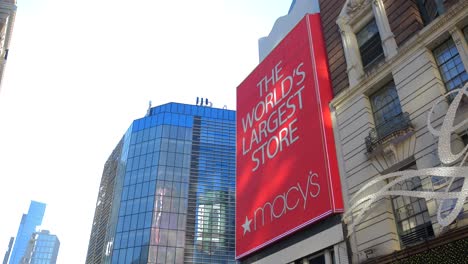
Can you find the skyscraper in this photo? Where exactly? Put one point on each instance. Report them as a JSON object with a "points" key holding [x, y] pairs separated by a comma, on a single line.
{"points": [[7, 253], [27, 227], [42, 248], [174, 188], [7, 19], [96, 245]]}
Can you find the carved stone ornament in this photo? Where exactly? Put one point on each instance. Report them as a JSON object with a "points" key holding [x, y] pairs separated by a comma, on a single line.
{"points": [[452, 167], [355, 5]]}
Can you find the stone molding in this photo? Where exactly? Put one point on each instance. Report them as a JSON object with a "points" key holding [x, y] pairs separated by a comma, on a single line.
{"points": [[351, 17], [426, 37]]}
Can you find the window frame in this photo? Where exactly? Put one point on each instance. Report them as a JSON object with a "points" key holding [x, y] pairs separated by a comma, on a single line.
{"points": [[426, 10], [465, 32], [411, 202], [352, 19], [369, 61], [455, 60], [396, 104]]}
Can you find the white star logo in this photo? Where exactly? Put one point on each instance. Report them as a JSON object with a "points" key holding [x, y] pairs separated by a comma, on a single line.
{"points": [[246, 225]]}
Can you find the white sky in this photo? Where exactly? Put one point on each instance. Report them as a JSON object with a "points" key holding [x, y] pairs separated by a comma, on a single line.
{"points": [[80, 71]]}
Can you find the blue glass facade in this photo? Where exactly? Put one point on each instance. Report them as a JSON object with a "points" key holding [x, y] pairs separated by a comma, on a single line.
{"points": [[174, 193], [44, 248], [7, 253], [27, 227]]}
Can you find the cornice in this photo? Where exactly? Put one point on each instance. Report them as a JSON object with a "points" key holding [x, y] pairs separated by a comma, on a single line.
{"points": [[421, 40], [8, 6], [356, 13], [354, 6]]}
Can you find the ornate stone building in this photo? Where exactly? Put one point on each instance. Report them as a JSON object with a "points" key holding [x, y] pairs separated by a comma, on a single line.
{"points": [[395, 67], [7, 20]]}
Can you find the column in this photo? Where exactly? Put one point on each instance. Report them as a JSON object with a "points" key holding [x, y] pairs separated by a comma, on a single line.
{"points": [[388, 40], [351, 50], [328, 257]]}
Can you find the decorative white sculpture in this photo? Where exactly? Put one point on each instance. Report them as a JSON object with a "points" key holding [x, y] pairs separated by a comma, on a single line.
{"points": [[362, 201]]}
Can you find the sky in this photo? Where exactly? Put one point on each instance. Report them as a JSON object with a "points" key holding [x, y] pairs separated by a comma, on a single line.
{"points": [[80, 71]]}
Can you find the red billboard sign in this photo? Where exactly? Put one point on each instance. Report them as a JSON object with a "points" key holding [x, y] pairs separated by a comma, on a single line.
{"points": [[287, 175]]}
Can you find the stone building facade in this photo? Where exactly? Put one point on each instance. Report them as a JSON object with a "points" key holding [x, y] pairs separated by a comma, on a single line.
{"points": [[7, 20], [393, 65]]}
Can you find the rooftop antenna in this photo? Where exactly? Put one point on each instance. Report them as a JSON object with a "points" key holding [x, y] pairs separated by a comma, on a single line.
{"points": [[203, 102], [148, 112]]}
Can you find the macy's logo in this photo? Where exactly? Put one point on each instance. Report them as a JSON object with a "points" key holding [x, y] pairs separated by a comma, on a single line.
{"points": [[283, 203]]}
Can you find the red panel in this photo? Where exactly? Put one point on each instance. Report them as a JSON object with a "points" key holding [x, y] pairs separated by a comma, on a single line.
{"points": [[287, 175]]}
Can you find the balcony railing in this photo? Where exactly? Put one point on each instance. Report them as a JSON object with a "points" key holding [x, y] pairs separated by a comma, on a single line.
{"points": [[418, 234], [396, 125]]}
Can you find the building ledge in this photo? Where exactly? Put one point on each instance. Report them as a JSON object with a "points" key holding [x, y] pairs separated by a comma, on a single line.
{"points": [[430, 245]]}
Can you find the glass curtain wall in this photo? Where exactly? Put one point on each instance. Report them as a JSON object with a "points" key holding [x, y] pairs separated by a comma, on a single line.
{"points": [[177, 196]]}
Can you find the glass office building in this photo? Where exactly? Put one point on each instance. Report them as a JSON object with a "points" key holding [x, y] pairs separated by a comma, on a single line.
{"points": [[7, 253], [42, 249], [174, 190], [27, 227], [97, 240]]}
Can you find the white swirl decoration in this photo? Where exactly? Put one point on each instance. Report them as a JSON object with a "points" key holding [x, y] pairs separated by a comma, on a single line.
{"points": [[361, 202]]}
